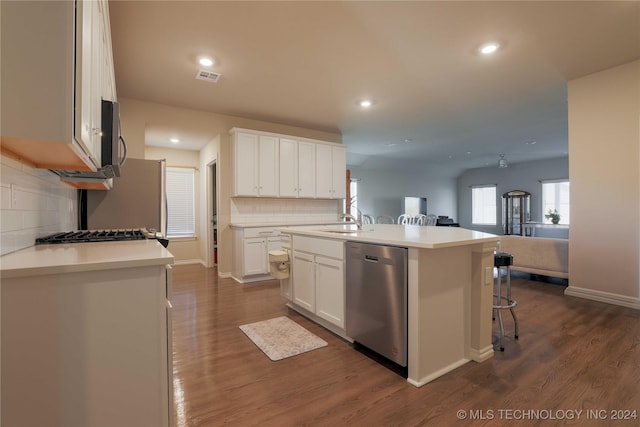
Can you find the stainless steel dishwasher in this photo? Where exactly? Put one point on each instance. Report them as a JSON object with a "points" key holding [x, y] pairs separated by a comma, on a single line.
{"points": [[376, 299]]}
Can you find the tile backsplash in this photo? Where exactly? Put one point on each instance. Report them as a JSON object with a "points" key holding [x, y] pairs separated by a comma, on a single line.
{"points": [[34, 203], [258, 210]]}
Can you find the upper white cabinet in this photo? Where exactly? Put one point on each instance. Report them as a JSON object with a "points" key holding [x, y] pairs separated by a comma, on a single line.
{"points": [[255, 165], [57, 66], [301, 167], [331, 171], [297, 168]]}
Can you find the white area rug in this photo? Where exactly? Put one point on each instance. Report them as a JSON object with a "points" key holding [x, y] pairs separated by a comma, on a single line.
{"points": [[281, 337]]}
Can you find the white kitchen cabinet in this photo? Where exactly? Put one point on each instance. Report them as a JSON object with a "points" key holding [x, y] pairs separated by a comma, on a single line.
{"points": [[329, 281], [86, 336], [306, 169], [255, 165], [273, 165], [251, 253], [304, 270], [63, 96], [318, 277], [297, 168], [330, 171]]}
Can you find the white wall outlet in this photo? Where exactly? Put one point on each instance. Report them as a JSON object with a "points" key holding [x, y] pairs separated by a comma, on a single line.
{"points": [[488, 275]]}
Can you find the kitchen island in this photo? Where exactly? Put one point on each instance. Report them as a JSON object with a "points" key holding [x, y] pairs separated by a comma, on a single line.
{"points": [[86, 335], [450, 290]]}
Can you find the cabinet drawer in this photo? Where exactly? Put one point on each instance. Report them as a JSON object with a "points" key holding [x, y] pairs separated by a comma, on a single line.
{"points": [[325, 247], [260, 232]]}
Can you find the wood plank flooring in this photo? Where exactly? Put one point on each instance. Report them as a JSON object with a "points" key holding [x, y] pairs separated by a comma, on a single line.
{"points": [[572, 355]]}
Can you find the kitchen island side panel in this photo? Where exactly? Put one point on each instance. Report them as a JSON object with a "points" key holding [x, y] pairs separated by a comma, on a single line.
{"points": [[86, 349]]}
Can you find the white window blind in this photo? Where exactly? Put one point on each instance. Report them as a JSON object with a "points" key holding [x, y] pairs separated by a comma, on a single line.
{"points": [[483, 205], [180, 202], [555, 196]]}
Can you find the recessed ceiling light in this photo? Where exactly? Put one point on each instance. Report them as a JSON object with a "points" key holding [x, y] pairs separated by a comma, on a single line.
{"points": [[489, 48], [390, 144], [207, 62], [174, 140], [366, 103], [531, 142], [408, 140], [468, 152]]}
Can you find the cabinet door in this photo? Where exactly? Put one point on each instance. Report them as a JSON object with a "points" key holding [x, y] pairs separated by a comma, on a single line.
{"points": [[268, 166], [97, 64], [254, 256], [339, 171], [288, 168], [329, 280], [324, 171], [84, 84], [246, 164], [303, 271], [306, 169]]}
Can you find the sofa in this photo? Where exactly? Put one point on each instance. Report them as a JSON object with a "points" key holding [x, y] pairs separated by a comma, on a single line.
{"points": [[538, 255]]}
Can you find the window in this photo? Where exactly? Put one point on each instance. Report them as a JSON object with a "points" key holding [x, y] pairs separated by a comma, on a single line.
{"points": [[180, 202], [353, 207], [483, 205], [555, 196]]}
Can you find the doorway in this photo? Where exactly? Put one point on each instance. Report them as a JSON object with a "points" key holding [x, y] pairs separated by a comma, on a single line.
{"points": [[212, 215]]}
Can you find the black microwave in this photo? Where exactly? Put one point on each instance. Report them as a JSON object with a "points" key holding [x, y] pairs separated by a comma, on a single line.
{"points": [[114, 147]]}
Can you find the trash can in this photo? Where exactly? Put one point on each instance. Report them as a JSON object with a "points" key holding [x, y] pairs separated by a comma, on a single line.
{"points": [[279, 264]]}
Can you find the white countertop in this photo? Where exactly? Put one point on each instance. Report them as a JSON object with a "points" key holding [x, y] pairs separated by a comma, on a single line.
{"points": [[74, 257], [410, 236]]}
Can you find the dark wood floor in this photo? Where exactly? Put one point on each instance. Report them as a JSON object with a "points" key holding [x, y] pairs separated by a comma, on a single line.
{"points": [[572, 355]]}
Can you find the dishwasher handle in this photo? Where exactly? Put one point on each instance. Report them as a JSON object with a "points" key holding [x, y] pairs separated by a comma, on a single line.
{"points": [[371, 258]]}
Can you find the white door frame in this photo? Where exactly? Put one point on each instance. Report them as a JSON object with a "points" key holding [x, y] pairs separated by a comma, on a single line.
{"points": [[209, 213]]}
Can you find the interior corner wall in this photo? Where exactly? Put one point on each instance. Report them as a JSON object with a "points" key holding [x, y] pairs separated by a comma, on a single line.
{"points": [[604, 164]]}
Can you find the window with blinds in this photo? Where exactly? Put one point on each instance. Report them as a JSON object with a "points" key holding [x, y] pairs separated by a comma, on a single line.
{"points": [[180, 202], [483, 205]]}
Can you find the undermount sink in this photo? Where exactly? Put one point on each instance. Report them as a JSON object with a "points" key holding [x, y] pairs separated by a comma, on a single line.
{"points": [[343, 231]]}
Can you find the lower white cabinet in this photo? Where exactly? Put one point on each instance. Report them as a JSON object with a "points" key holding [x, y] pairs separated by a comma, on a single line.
{"points": [[318, 277], [304, 287], [251, 252], [329, 281]]}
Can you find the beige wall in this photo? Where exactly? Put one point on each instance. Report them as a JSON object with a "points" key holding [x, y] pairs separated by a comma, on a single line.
{"points": [[138, 116], [604, 165], [183, 249]]}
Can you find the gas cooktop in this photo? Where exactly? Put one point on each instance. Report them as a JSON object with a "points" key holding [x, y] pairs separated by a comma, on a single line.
{"points": [[93, 236]]}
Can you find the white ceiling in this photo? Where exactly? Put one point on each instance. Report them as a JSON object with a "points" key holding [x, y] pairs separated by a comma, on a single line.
{"points": [[308, 64]]}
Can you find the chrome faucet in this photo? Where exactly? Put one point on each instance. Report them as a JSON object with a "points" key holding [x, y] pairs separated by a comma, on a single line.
{"points": [[354, 218]]}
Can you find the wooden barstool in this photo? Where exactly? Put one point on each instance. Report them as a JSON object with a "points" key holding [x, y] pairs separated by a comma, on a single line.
{"points": [[504, 260]]}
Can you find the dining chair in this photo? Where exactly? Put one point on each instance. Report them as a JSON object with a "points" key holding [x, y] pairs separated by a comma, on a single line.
{"points": [[368, 219], [420, 219], [405, 219], [385, 219], [432, 220]]}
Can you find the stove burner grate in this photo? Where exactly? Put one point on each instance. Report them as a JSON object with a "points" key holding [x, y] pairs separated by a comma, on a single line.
{"points": [[92, 236]]}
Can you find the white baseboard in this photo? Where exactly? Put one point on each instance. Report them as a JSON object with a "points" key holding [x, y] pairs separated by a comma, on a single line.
{"points": [[437, 374], [601, 296], [224, 275], [187, 261], [482, 354]]}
